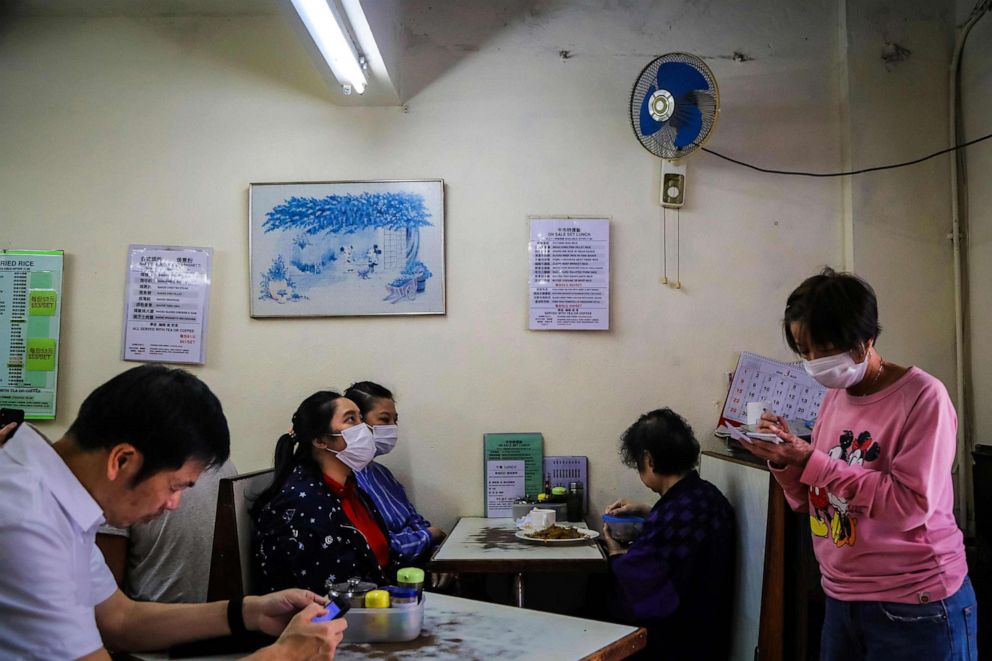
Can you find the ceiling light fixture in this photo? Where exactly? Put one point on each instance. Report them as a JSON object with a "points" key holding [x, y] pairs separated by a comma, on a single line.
{"points": [[327, 29]]}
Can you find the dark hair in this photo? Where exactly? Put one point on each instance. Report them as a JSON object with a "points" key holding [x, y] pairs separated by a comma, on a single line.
{"points": [[837, 310], [311, 421], [364, 394], [167, 414], [666, 437]]}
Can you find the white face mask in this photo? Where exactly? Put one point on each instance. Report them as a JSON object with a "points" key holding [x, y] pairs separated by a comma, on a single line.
{"points": [[838, 371], [359, 447], [385, 438]]}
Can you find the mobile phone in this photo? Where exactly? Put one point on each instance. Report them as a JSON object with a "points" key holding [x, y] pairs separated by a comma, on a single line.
{"points": [[336, 608], [8, 416]]}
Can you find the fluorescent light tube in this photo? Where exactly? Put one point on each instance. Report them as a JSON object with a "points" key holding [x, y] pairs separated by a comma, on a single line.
{"points": [[332, 41]]}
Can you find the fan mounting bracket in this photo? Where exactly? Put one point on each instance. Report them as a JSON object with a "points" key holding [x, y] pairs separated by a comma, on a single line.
{"points": [[673, 183]]}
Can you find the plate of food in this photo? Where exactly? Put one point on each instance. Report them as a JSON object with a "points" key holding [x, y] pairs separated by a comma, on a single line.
{"points": [[557, 535]]}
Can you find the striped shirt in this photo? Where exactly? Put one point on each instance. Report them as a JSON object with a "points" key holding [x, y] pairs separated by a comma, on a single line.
{"points": [[408, 535]]}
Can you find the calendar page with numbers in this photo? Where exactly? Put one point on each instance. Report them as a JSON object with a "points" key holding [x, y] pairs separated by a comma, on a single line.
{"points": [[794, 394]]}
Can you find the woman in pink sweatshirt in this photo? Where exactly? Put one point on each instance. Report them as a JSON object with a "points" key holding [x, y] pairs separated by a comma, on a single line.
{"points": [[876, 482]]}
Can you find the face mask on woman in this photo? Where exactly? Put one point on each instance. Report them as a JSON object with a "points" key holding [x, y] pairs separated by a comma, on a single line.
{"points": [[385, 438], [359, 447], [839, 371]]}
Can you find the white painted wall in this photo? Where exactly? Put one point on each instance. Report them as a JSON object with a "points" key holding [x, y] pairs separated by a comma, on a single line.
{"points": [[976, 99], [132, 130], [747, 488], [901, 218]]}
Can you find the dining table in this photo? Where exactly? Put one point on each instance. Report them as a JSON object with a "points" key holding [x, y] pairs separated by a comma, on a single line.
{"points": [[483, 545], [457, 628]]}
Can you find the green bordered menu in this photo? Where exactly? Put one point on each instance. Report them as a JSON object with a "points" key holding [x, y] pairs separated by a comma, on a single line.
{"points": [[30, 317], [500, 453]]}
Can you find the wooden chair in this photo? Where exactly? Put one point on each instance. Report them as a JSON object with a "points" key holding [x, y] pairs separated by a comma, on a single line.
{"points": [[231, 563]]}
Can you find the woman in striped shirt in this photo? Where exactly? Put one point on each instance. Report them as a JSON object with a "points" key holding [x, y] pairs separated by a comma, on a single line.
{"points": [[411, 536]]}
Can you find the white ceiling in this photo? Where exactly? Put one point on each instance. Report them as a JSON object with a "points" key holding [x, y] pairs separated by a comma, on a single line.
{"points": [[139, 7], [419, 39]]}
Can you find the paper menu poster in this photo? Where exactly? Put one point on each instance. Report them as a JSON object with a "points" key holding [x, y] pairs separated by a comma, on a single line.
{"points": [[527, 447], [504, 484], [30, 320], [794, 394], [167, 293], [569, 274]]}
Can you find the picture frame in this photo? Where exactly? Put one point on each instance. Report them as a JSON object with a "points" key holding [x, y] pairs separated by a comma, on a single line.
{"points": [[346, 248]]}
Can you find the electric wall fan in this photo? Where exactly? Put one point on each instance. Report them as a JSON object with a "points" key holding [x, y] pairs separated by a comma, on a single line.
{"points": [[673, 108]]}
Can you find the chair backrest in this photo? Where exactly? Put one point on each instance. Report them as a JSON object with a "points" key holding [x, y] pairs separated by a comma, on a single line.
{"points": [[231, 564]]}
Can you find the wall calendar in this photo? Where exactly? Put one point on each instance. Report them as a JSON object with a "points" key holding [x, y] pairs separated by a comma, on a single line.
{"points": [[794, 394]]}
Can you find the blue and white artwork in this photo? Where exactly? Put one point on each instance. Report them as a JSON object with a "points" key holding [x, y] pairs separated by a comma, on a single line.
{"points": [[347, 248]]}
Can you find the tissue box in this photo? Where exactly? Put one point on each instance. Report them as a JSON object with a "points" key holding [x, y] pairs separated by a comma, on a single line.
{"points": [[523, 509]]}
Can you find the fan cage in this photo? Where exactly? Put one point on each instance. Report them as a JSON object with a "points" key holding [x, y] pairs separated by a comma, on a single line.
{"points": [[661, 143]]}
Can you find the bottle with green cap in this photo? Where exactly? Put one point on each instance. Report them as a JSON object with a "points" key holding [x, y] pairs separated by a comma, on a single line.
{"points": [[411, 577]]}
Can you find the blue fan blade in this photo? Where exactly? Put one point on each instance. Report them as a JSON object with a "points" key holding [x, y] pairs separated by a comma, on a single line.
{"points": [[648, 124], [689, 122], [680, 78]]}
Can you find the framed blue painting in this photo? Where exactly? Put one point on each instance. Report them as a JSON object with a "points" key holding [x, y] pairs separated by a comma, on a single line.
{"points": [[346, 248]]}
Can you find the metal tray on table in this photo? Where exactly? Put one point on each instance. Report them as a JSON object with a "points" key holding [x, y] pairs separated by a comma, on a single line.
{"points": [[384, 625]]}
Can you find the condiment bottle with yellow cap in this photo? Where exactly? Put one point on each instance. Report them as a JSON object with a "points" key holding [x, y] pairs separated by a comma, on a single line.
{"points": [[377, 599]]}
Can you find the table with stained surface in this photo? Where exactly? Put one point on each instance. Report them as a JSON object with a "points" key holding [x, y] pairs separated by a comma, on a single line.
{"points": [[484, 545], [456, 628]]}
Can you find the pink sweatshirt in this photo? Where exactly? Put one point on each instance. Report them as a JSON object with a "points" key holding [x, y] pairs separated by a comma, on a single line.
{"points": [[879, 494]]}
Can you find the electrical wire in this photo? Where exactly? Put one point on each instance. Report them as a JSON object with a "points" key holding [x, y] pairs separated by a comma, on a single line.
{"points": [[848, 173]]}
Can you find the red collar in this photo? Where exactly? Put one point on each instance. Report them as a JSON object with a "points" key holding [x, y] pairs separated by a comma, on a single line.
{"points": [[346, 490]]}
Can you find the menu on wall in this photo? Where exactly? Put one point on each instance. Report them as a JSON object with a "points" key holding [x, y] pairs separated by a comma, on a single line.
{"points": [[165, 304], [569, 274], [30, 318]]}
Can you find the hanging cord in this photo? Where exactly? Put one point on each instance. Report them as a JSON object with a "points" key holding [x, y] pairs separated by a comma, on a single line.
{"points": [[678, 249], [848, 173], [664, 245]]}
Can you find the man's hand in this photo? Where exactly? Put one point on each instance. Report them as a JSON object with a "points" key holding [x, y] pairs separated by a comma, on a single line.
{"points": [[306, 640], [624, 507], [437, 535], [271, 613], [6, 432]]}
